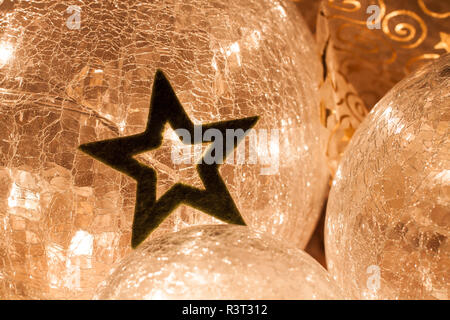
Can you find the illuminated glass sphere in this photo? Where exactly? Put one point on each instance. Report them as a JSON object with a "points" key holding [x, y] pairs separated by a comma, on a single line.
{"points": [[218, 262], [228, 60], [72, 75], [387, 226], [62, 214]]}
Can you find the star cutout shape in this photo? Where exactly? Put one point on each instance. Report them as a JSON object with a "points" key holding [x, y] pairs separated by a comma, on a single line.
{"points": [[118, 153], [445, 42]]}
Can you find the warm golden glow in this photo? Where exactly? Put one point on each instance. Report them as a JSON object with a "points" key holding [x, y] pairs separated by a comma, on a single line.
{"points": [[6, 53], [66, 218], [445, 42], [218, 262], [388, 226]]}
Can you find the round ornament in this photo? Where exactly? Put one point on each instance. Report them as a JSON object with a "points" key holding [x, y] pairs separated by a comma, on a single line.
{"points": [[62, 214], [74, 74], [387, 226], [218, 262]]}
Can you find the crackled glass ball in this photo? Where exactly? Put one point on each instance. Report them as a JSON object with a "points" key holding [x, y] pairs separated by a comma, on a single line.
{"points": [[218, 262], [72, 74], [62, 220], [388, 218], [228, 60]]}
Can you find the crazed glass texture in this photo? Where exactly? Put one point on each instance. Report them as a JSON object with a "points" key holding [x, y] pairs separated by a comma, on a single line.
{"points": [[218, 262], [62, 81], [387, 226]]}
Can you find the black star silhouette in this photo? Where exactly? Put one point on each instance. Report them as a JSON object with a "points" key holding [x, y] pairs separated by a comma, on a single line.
{"points": [[118, 153]]}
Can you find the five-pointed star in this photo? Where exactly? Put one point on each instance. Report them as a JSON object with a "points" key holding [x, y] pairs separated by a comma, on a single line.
{"points": [[118, 153], [445, 42]]}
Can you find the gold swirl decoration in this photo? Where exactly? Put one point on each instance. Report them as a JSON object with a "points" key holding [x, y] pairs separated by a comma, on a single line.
{"points": [[411, 34], [404, 31], [363, 63], [356, 7], [431, 13], [409, 66], [355, 106], [361, 40]]}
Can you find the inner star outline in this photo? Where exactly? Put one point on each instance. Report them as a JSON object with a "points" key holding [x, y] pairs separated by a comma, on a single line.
{"points": [[150, 212]]}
